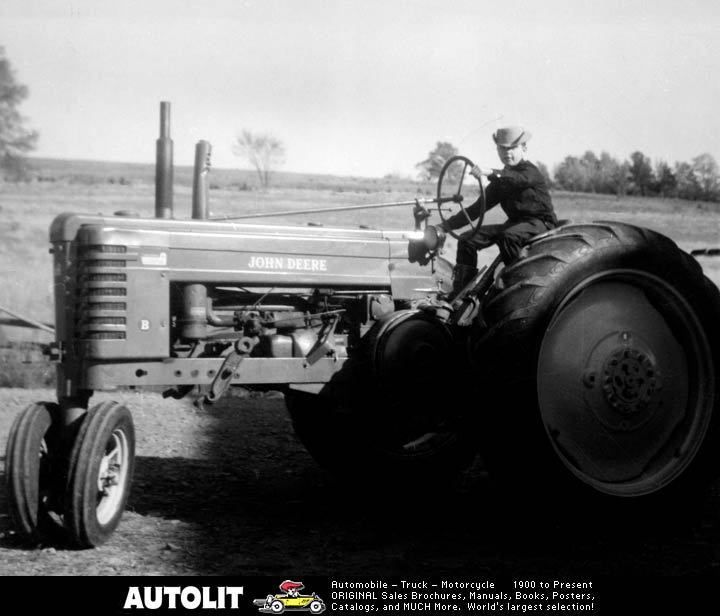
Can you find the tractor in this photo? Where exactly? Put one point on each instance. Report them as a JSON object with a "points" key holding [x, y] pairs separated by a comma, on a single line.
{"points": [[588, 366]]}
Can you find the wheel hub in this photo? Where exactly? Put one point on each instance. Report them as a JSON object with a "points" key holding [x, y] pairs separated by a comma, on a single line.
{"points": [[111, 476], [627, 395], [409, 350], [629, 380]]}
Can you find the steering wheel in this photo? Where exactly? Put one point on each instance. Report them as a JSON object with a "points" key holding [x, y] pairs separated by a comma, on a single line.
{"points": [[457, 197]]}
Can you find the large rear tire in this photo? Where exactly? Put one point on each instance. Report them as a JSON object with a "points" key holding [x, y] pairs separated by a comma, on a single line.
{"points": [[602, 369], [388, 415], [101, 469]]}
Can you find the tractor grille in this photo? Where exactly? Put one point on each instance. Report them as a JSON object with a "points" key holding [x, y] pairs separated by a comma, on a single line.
{"points": [[115, 248], [101, 312], [106, 277]]}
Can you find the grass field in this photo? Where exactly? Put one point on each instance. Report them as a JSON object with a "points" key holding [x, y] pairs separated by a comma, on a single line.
{"points": [[27, 209]]}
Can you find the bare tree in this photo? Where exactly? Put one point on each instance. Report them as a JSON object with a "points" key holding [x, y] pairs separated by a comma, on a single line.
{"points": [[15, 139], [263, 151]]}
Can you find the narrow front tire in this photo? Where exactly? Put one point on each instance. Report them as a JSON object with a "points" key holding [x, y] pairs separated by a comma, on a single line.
{"points": [[31, 481], [101, 468]]}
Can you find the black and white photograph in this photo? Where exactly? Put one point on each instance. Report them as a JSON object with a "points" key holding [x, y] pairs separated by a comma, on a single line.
{"points": [[347, 306]]}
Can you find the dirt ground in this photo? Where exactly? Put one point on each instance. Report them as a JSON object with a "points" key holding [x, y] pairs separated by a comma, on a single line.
{"points": [[230, 491]]}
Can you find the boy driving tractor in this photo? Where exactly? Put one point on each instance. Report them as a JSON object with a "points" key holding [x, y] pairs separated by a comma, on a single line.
{"points": [[521, 191]]}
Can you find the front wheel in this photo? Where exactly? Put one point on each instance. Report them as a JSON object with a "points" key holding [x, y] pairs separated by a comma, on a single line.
{"points": [[101, 468], [33, 483]]}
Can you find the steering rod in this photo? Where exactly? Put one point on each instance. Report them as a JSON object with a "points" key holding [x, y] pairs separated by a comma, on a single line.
{"points": [[344, 208]]}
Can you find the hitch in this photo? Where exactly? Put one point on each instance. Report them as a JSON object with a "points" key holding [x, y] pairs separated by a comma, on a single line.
{"points": [[224, 376]]}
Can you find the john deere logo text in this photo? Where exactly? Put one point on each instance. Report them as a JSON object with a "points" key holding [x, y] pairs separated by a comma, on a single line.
{"points": [[294, 264], [187, 597]]}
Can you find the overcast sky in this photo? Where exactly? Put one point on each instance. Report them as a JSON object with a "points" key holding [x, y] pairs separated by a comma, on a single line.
{"points": [[366, 87]]}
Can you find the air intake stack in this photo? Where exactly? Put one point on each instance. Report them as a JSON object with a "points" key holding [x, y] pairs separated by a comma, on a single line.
{"points": [[164, 166]]}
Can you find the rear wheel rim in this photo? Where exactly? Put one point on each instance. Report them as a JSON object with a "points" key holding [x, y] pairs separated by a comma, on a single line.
{"points": [[625, 383]]}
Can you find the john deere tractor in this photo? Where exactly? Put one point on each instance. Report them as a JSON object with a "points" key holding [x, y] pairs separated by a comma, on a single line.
{"points": [[589, 366]]}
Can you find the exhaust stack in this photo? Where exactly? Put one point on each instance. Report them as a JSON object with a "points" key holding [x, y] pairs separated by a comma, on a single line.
{"points": [[164, 166], [201, 170]]}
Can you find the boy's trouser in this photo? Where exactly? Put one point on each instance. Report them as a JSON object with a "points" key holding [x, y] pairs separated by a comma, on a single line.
{"points": [[509, 236]]}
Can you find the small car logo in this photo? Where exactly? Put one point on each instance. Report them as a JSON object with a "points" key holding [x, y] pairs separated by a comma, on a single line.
{"points": [[290, 599]]}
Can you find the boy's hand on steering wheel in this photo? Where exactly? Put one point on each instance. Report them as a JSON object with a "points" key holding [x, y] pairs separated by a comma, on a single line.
{"points": [[477, 172]]}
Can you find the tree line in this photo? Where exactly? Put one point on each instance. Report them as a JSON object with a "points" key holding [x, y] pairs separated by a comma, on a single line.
{"points": [[698, 179]]}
